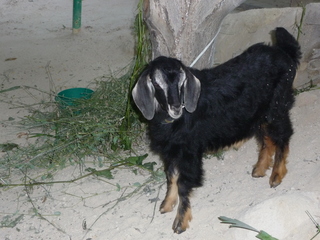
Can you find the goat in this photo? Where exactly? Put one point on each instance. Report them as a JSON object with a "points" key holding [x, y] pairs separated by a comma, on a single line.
{"points": [[192, 111]]}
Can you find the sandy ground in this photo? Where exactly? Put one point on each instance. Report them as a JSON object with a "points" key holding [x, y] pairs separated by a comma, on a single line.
{"points": [[38, 33]]}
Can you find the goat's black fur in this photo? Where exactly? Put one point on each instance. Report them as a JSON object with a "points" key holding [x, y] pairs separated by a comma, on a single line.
{"points": [[249, 95]]}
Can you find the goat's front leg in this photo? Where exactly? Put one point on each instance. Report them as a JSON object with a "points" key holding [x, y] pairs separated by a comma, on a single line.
{"points": [[171, 198], [184, 216], [175, 189], [183, 174]]}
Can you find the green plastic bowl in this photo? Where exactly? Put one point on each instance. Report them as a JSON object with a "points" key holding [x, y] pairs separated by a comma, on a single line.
{"points": [[72, 97]]}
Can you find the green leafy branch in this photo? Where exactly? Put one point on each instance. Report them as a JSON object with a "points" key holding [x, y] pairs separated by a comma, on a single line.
{"points": [[261, 234], [133, 161], [238, 224]]}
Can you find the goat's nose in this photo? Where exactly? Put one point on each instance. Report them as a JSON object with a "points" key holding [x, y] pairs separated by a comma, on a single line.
{"points": [[176, 108], [175, 112]]}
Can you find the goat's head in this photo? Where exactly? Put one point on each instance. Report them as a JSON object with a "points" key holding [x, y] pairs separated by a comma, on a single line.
{"points": [[166, 83]]}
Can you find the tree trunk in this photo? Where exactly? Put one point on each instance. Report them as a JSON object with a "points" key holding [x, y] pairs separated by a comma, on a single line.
{"points": [[183, 28]]}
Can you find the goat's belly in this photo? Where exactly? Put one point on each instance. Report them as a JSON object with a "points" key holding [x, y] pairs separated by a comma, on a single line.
{"points": [[230, 138]]}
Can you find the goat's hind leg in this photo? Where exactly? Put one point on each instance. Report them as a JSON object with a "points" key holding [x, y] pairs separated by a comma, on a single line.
{"points": [[274, 139], [279, 168], [280, 131], [267, 150]]}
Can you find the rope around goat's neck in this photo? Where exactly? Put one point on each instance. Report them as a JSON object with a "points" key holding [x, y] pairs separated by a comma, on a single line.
{"points": [[206, 47]]}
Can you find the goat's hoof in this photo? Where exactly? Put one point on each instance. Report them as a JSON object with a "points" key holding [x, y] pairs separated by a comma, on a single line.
{"points": [[258, 173], [275, 180], [166, 207], [177, 226], [181, 222], [162, 210], [179, 230]]}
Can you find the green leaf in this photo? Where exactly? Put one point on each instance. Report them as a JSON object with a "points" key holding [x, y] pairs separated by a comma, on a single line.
{"points": [[10, 89], [127, 143], [159, 175], [137, 160], [137, 184], [265, 236], [114, 143], [236, 223], [10, 221], [114, 147], [6, 147], [106, 173], [47, 176], [115, 140], [57, 213], [149, 165]]}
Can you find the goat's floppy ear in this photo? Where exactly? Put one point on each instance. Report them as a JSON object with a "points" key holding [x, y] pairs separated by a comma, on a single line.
{"points": [[143, 95], [192, 89]]}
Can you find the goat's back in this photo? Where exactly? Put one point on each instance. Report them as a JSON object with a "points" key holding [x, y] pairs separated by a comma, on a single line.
{"points": [[236, 97]]}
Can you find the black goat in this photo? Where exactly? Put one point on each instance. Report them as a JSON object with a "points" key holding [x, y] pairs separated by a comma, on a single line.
{"points": [[193, 111]]}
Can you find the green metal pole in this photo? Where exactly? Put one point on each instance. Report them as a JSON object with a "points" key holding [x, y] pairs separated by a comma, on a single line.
{"points": [[76, 20]]}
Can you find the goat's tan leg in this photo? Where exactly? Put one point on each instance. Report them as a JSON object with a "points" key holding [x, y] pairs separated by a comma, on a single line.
{"points": [[279, 168], [175, 193], [184, 216], [171, 198], [267, 151]]}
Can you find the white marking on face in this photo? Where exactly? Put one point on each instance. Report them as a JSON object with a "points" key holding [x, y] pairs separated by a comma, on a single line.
{"points": [[174, 112], [160, 81]]}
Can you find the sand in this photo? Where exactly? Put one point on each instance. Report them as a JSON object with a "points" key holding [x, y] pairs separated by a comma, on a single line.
{"points": [[37, 34]]}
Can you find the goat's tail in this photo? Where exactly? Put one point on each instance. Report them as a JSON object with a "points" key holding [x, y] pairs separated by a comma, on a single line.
{"points": [[288, 44]]}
